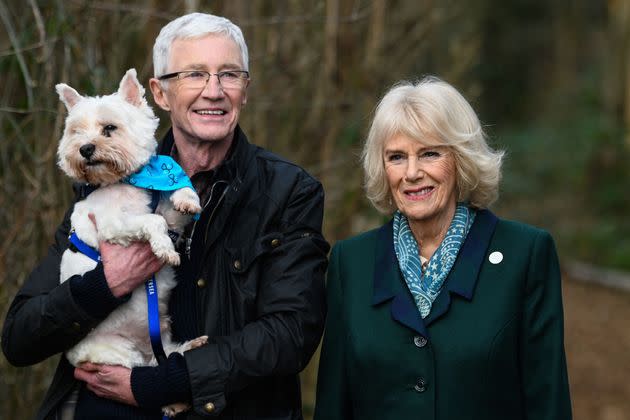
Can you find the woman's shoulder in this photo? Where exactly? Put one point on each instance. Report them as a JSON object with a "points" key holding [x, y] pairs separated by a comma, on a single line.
{"points": [[513, 229], [360, 241]]}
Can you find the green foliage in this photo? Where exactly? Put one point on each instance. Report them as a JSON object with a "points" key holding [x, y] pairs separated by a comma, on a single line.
{"points": [[575, 158]]}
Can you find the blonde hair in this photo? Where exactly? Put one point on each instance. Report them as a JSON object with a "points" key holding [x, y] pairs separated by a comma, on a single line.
{"points": [[432, 109]]}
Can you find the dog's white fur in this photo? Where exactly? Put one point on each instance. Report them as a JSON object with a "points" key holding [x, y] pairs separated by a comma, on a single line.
{"points": [[121, 127]]}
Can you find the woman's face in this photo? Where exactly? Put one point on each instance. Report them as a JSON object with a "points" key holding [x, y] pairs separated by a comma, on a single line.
{"points": [[422, 179]]}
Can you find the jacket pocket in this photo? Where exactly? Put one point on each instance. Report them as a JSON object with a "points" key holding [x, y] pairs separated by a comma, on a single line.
{"points": [[241, 259]]}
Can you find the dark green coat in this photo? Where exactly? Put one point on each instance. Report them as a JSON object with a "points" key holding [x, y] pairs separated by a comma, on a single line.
{"points": [[491, 348]]}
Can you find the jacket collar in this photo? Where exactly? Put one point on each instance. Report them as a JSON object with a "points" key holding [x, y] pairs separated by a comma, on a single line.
{"points": [[389, 283], [235, 168], [238, 158]]}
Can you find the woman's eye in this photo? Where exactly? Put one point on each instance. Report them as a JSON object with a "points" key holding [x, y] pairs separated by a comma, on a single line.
{"points": [[395, 157], [430, 154]]}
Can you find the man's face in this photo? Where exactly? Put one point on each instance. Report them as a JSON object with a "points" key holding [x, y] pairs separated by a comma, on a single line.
{"points": [[210, 113]]}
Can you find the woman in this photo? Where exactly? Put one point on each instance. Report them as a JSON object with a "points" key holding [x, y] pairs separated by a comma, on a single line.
{"points": [[446, 312]]}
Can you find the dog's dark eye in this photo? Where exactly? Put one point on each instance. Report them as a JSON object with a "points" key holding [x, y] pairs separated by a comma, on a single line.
{"points": [[107, 130]]}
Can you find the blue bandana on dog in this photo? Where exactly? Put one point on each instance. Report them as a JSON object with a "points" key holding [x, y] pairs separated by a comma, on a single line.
{"points": [[162, 173]]}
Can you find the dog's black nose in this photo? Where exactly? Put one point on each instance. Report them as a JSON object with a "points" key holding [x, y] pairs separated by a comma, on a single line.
{"points": [[87, 150]]}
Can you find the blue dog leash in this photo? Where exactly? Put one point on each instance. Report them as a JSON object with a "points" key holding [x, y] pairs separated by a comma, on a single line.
{"points": [[152, 298], [152, 301], [161, 173]]}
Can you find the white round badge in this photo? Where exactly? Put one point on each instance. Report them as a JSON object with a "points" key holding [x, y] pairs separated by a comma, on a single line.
{"points": [[496, 257]]}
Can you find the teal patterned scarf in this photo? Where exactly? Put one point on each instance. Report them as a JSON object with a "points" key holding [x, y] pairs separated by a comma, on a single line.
{"points": [[426, 286]]}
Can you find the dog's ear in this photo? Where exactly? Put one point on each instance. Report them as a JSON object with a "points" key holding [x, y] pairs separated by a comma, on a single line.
{"points": [[130, 88], [68, 95]]}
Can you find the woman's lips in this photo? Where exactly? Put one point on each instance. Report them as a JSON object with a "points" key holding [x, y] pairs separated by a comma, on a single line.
{"points": [[418, 193]]}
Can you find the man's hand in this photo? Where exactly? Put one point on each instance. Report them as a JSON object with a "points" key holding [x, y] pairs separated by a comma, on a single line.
{"points": [[111, 382], [126, 268]]}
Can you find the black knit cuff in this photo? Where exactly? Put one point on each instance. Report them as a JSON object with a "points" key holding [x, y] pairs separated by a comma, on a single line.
{"points": [[168, 383], [92, 293]]}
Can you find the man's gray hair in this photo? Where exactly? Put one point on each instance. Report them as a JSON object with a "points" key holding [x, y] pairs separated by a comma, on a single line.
{"points": [[190, 26]]}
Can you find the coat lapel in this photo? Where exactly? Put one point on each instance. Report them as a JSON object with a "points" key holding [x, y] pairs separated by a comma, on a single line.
{"points": [[463, 276], [390, 285]]}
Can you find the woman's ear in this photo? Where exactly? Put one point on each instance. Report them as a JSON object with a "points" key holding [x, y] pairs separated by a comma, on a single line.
{"points": [[159, 94]]}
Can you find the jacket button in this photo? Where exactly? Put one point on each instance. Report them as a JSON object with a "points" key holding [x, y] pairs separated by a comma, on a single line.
{"points": [[209, 407], [237, 264], [201, 283], [76, 326], [275, 242], [421, 385], [419, 341]]}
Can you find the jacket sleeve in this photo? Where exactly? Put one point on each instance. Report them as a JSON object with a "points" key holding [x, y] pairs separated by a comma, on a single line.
{"points": [[46, 317], [543, 361], [290, 310], [333, 401]]}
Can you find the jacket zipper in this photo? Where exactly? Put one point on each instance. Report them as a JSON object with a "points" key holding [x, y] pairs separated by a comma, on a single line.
{"points": [[192, 232]]}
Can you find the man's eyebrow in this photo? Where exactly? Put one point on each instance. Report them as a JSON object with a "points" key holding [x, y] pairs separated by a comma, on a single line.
{"points": [[200, 66], [195, 66]]}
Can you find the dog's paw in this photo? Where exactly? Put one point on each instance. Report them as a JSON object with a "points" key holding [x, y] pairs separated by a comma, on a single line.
{"points": [[169, 257], [188, 207], [193, 344], [174, 409], [198, 342], [186, 201]]}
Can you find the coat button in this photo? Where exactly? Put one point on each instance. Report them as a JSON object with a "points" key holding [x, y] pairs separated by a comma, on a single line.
{"points": [[209, 407], [201, 283], [419, 341], [76, 326], [237, 264], [275, 242], [421, 385]]}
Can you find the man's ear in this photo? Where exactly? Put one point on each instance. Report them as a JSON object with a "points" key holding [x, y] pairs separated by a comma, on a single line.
{"points": [[244, 99], [159, 96]]}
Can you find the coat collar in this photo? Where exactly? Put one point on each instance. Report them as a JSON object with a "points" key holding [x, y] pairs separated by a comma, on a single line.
{"points": [[389, 283], [235, 168], [235, 164]]}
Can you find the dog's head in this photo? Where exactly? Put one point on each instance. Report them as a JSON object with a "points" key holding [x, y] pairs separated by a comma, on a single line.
{"points": [[106, 138]]}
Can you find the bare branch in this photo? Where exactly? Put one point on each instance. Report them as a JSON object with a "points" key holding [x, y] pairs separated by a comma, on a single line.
{"points": [[28, 82]]}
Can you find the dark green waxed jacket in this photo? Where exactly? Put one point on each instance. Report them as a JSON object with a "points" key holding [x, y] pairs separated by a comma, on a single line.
{"points": [[491, 348]]}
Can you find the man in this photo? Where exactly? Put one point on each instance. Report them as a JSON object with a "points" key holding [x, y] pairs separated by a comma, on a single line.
{"points": [[252, 265]]}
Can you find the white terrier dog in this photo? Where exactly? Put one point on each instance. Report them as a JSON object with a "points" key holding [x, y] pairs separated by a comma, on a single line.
{"points": [[107, 139]]}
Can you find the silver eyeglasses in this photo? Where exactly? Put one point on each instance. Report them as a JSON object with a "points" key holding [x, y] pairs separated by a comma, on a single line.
{"points": [[198, 79]]}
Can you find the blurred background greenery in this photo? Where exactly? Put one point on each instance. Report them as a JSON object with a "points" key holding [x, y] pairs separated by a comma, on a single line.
{"points": [[549, 79]]}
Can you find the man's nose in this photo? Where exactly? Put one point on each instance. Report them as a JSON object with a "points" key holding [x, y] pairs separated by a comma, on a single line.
{"points": [[213, 87]]}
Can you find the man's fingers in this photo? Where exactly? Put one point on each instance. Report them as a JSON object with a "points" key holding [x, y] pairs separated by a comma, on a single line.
{"points": [[90, 367]]}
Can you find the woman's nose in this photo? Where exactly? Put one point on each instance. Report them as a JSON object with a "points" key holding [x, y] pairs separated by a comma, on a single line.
{"points": [[414, 171]]}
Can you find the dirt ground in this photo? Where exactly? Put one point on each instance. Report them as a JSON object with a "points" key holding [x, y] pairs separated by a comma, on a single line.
{"points": [[597, 331]]}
